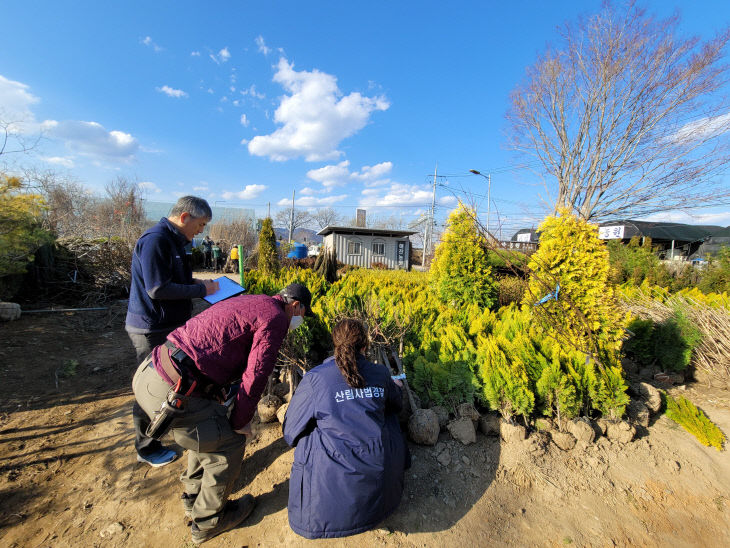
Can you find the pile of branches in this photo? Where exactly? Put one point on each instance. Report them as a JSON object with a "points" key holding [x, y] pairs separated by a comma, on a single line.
{"points": [[78, 272], [711, 357]]}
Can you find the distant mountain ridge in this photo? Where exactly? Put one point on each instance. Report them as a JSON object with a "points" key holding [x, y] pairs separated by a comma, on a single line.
{"points": [[301, 235]]}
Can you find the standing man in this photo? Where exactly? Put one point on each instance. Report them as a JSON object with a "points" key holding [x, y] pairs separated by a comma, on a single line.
{"points": [[160, 298], [207, 249], [236, 340], [216, 257], [234, 258]]}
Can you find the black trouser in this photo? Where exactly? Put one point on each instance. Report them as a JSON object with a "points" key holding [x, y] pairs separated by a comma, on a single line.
{"points": [[143, 345]]}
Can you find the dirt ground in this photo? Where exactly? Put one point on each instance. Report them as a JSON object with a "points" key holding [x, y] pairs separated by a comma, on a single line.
{"points": [[69, 476]]}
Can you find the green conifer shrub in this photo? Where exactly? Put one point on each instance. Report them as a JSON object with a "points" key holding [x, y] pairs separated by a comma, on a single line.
{"points": [[460, 273], [268, 256], [585, 314], [688, 416]]}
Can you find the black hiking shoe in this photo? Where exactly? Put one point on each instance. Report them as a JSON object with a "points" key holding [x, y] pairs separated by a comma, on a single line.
{"points": [[188, 501], [233, 514]]}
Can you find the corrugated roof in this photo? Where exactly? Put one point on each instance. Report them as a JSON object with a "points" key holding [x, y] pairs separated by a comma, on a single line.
{"points": [[665, 230], [365, 231]]}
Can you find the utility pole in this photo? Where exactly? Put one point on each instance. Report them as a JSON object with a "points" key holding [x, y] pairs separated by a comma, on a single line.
{"points": [[428, 244], [489, 192], [268, 214], [291, 218]]}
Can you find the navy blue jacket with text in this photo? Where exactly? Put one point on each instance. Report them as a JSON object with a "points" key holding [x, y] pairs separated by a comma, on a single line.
{"points": [[350, 454], [160, 296]]}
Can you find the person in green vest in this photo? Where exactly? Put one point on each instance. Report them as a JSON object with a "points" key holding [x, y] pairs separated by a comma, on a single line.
{"points": [[216, 256]]}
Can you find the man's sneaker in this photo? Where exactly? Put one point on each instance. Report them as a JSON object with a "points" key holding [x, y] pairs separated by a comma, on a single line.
{"points": [[233, 514], [158, 458]]}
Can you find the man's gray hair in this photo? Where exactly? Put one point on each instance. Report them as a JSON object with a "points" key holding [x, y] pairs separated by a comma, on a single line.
{"points": [[194, 206]]}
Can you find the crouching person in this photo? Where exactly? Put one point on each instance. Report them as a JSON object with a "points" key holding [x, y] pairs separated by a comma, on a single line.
{"points": [[196, 372], [350, 454]]}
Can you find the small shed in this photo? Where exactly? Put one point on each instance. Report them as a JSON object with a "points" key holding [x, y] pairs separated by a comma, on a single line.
{"points": [[364, 246]]}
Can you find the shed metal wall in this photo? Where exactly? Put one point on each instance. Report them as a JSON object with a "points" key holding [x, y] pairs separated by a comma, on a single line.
{"points": [[366, 257]]}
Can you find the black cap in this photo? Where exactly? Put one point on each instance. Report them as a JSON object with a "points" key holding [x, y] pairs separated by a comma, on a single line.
{"points": [[299, 292]]}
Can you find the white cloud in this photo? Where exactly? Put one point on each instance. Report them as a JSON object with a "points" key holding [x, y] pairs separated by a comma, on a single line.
{"points": [[396, 195], [149, 187], [15, 103], [262, 45], [252, 92], [372, 173], [147, 41], [244, 120], [705, 128], [332, 175], [194, 54], [172, 92], [248, 193], [720, 218], [59, 160], [308, 191], [315, 117], [313, 201], [244, 141], [222, 56], [92, 139]]}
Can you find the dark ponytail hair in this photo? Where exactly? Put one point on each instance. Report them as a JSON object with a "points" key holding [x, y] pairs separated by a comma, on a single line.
{"points": [[350, 338]]}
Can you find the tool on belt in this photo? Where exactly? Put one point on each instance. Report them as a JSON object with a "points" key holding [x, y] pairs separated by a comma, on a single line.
{"points": [[172, 407]]}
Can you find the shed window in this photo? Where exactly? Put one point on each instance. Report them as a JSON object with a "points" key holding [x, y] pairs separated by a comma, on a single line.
{"points": [[354, 248], [378, 248]]}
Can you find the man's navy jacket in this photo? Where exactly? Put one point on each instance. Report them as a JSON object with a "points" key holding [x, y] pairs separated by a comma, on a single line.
{"points": [[350, 454], [162, 281]]}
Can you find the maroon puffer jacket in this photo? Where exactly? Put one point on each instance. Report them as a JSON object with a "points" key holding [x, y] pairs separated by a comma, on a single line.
{"points": [[236, 338]]}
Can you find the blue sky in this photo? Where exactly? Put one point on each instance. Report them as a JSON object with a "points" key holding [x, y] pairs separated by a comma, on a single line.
{"points": [[350, 104]]}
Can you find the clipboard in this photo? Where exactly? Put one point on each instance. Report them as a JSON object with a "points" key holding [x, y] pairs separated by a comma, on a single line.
{"points": [[227, 288]]}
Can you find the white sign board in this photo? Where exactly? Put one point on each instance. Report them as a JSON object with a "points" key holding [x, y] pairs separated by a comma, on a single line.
{"points": [[611, 232], [525, 237]]}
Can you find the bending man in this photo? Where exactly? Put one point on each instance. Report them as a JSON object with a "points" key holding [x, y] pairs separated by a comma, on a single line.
{"points": [[234, 340]]}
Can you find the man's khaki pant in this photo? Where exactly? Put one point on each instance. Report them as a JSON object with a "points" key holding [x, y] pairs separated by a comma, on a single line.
{"points": [[215, 451]]}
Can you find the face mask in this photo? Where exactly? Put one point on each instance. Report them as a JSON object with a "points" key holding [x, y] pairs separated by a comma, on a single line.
{"points": [[295, 322]]}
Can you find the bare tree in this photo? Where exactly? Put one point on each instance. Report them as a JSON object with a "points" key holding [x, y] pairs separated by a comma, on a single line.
{"points": [[302, 219], [624, 117], [236, 232], [68, 203], [121, 214], [325, 217]]}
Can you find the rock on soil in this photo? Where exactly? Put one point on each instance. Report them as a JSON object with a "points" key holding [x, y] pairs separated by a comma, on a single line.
{"points": [[582, 429], [281, 412], [620, 431], [111, 530], [267, 408], [651, 396], [489, 424], [442, 414], [9, 311], [463, 430], [511, 432], [639, 412], [564, 440], [467, 411], [423, 427], [602, 426]]}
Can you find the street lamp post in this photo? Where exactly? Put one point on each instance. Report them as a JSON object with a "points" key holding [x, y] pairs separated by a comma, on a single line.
{"points": [[489, 192]]}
